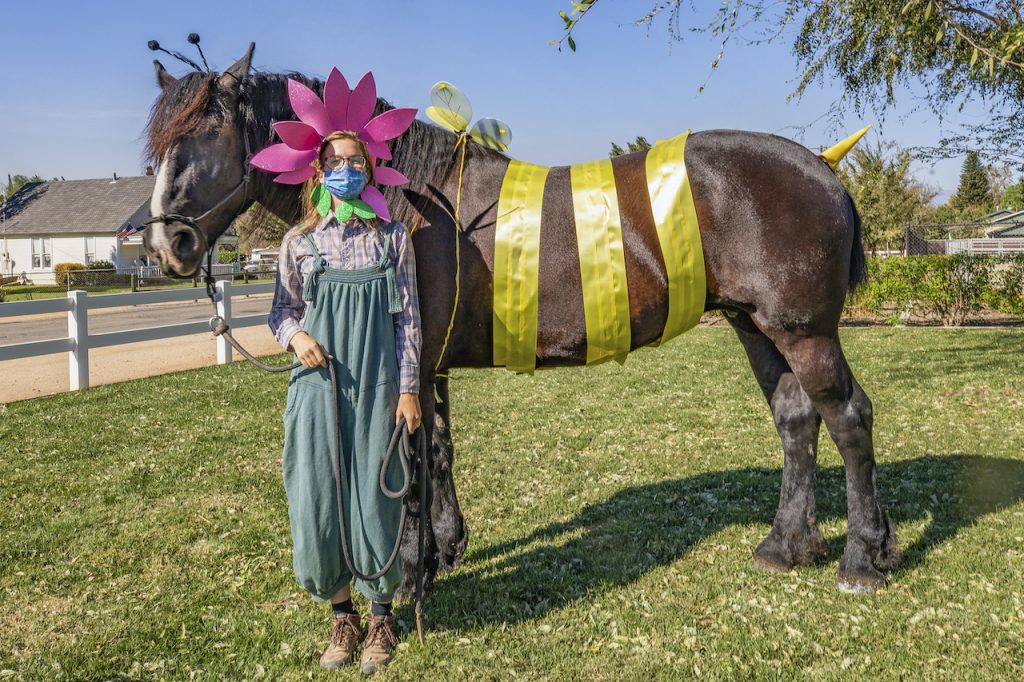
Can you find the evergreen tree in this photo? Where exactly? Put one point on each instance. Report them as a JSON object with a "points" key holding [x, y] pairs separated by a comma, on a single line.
{"points": [[639, 145], [974, 189]]}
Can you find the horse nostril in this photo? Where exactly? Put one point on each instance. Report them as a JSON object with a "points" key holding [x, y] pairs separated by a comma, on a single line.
{"points": [[183, 243]]}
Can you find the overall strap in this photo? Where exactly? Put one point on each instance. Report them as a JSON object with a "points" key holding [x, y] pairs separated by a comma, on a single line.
{"points": [[319, 266], [386, 265]]}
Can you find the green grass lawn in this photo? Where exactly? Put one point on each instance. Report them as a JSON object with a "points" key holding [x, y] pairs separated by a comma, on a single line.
{"points": [[144, 529]]}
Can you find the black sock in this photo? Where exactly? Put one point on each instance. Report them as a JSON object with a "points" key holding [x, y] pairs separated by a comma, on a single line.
{"points": [[379, 609], [343, 608]]}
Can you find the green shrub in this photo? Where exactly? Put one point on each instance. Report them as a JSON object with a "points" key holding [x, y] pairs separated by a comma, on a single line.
{"points": [[227, 257], [101, 265], [949, 288], [1007, 291]]}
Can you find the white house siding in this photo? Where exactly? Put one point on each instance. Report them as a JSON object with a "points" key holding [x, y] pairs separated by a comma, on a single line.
{"points": [[65, 248]]}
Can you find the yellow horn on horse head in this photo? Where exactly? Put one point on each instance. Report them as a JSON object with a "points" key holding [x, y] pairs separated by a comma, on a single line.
{"points": [[833, 155]]}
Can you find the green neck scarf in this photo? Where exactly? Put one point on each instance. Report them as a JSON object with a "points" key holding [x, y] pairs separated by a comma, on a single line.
{"points": [[321, 198]]}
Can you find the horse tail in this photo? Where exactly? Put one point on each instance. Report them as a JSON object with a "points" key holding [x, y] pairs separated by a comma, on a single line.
{"points": [[858, 263]]}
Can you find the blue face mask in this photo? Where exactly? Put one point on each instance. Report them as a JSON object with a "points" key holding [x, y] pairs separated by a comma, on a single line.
{"points": [[345, 182]]}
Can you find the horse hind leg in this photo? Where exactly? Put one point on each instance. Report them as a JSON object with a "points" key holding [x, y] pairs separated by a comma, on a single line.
{"points": [[823, 372], [794, 539]]}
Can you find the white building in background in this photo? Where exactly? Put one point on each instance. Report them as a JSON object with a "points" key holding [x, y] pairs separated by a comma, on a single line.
{"points": [[73, 221]]}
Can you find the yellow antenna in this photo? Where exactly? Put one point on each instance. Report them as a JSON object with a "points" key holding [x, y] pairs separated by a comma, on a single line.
{"points": [[833, 155]]}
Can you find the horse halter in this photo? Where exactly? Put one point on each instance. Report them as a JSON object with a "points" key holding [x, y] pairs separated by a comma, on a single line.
{"points": [[194, 222]]}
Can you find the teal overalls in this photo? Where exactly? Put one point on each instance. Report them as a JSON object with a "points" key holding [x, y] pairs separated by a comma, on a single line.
{"points": [[349, 311]]}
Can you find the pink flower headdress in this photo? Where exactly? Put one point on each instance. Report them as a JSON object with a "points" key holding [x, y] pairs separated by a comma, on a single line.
{"points": [[341, 109]]}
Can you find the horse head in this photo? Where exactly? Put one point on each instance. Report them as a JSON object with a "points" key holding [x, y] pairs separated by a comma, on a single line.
{"points": [[198, 139]]}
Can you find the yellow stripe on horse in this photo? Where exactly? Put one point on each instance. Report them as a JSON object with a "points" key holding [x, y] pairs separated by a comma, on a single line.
{"points": [[602, 261], [675, 218], [516, 260]]}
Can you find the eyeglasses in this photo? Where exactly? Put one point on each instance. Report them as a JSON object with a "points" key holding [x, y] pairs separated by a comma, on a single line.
{"points": [[336, 162]]}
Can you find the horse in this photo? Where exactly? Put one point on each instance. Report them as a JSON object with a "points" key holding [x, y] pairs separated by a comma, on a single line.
{"points": [[781, 242]]}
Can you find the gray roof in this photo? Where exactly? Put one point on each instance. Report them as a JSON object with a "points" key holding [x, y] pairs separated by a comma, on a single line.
{"points": [[75, 206]]}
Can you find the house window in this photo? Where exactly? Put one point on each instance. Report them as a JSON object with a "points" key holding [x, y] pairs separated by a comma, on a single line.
{"points": [[41, 253], [90, 249]]}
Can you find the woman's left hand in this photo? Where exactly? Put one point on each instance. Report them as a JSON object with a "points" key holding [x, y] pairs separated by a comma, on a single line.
{"points": [[409, 407]]}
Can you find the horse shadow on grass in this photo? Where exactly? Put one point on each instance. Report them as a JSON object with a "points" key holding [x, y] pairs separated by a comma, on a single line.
{"points": [[612, 543]]}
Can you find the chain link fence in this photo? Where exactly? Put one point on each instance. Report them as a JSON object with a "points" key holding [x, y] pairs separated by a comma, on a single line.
{"points": [[970, 239]]}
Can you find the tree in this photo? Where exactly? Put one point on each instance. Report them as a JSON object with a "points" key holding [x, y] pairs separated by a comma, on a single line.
{"points": [[974, 189], [887, 195], [638, 145], [1013, 196], [16, 182], [956, 50], [999, 178]]}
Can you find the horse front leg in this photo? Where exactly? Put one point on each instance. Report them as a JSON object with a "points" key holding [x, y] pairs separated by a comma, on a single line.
{"points": [[446, 533], [450, 530]]}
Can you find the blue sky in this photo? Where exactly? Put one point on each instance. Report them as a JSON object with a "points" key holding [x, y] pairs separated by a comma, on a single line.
{"points": [[77, 78]]}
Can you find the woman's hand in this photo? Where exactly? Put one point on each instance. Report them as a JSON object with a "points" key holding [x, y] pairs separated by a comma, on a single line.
{"points": [[309, 352], [409, 407]]}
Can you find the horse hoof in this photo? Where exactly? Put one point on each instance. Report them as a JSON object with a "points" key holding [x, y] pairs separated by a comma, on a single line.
{"points": [[768, 566], [860, 584]]}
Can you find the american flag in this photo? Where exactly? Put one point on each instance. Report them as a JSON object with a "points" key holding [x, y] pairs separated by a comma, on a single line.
{"points": [[127, 231]]}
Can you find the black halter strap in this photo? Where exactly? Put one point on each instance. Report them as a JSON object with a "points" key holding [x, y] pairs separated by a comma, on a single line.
{"points": [[195, 222]]}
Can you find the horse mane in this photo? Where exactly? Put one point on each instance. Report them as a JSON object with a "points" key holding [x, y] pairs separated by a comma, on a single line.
{"points": [[192, 104]]}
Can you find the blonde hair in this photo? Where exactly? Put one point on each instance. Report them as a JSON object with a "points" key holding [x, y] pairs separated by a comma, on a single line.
{"points": [[311, 217]]}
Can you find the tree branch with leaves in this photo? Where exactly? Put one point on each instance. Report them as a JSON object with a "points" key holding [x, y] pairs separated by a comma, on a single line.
{"points": [[956, 53]]}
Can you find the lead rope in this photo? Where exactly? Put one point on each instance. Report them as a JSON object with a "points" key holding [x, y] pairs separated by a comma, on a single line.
{"points": [[399, 437]]}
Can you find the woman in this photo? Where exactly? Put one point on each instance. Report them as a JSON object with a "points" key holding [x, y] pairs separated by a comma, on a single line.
{"points": [[346, 294]]}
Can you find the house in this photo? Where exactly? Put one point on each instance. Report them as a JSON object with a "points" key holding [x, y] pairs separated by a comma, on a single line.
{"points": [[74, 221], [1004, 223]]}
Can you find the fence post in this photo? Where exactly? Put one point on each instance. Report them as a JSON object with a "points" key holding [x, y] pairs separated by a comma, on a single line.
{"points": [[224, 310], [78, 331]]}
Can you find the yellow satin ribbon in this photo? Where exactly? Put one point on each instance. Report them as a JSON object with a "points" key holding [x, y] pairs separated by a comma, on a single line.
{"points": [[516, 262], [601, 252], [602, 261], [675, 218]]}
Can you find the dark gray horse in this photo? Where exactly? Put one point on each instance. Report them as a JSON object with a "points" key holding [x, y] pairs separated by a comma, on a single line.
{"points": [[782, 247]]}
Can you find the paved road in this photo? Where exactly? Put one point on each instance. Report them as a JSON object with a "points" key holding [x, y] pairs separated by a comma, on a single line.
{"points": [[47, 374]]}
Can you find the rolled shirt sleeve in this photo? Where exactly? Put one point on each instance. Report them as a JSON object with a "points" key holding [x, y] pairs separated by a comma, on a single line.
{"points": [[288, 307], [407, 322]]}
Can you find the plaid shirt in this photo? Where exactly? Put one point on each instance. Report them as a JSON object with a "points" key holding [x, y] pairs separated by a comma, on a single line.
{"points": [[349, 246]]}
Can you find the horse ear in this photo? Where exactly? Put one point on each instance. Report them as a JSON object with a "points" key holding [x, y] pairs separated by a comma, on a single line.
{"points": [[240, 69], [163, 78]]}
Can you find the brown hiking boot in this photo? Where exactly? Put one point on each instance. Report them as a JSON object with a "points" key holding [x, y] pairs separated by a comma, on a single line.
{"points": [[379, 643], [345, 635]]}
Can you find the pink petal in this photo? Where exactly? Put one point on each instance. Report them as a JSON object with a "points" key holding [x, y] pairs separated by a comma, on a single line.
{"points": [[281, 157], [336, 98], [378, 150], [362, 102], [297, 135], [375, 199], [308, 107], [296, 177], [390, 124], [385, 175]]}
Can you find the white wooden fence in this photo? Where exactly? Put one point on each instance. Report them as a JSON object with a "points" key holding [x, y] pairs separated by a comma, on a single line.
{"points": [[996, 246], [79, 341]]}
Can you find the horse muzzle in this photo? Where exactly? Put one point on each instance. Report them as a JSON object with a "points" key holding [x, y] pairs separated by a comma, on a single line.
{"points": [[177, 247]]}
